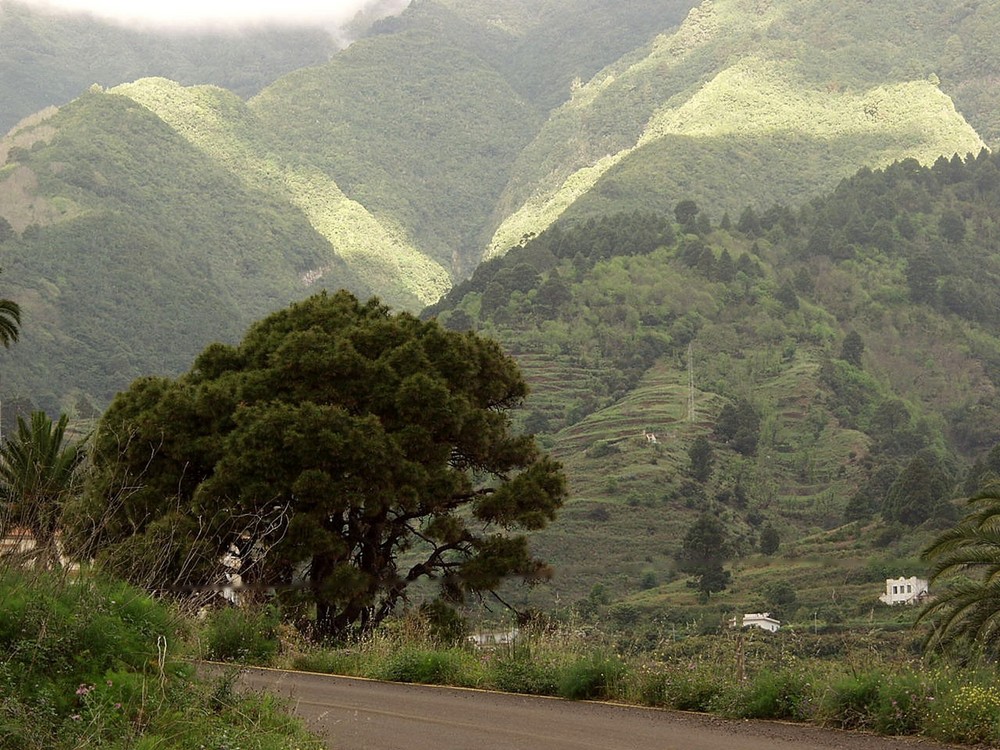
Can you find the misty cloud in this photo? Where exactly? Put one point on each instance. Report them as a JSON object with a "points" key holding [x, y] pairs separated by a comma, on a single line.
{"points": [[226, 13]]}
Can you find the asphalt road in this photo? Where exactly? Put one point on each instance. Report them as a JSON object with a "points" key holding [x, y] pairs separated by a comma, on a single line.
{"points": [[354, 714]]}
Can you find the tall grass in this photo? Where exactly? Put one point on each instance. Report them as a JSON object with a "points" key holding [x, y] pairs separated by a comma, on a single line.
{"points": [[749, 675], [98, 664]]}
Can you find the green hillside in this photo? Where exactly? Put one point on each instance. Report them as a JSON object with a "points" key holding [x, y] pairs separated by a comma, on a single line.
{"points": [[394, 166], [859, 332], [415, 127], [219, 123], [121, 264], [759, 103], [51, 58], [545, 49]]}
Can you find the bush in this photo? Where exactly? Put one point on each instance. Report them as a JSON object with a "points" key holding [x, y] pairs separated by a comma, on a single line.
{"points": [[93, 664], [592, 677], [771, 695], [693, 690], [852, 701], [244, 635], [522, 674], [969, 714], [904, 704], [428, 667]]}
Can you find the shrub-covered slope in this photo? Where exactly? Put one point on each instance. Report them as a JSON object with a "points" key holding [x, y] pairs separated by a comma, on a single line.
{"points": [[840, 359], [763, 102], [415, 126], [221, 125], [398, 163], [131, 251]]}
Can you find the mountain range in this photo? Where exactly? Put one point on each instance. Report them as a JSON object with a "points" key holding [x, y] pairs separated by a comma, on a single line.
{"points": [[569, 176]]}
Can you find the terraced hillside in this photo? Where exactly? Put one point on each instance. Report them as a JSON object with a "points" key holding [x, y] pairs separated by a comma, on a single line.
{"points": [[843, 360]]}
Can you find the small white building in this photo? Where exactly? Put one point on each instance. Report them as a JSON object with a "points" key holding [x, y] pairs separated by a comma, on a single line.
{"points": [[911, 590], [492, 640], [762, 620]]}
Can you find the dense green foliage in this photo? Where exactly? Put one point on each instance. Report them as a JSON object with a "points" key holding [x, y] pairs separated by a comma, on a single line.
{"points": [[703, 552], [402, 125], [828, 384], [345, 452], [546, 49], [99, 664], [166, 271], [389, 168], [746, 103], [38, 473]]}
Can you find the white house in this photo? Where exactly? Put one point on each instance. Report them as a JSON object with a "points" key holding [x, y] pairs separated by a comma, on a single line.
{"points": [[762, 620], [905, 590]]}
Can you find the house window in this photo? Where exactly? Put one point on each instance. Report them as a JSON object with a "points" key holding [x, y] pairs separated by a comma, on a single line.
{"points": [[909, 589], [895, 589]]}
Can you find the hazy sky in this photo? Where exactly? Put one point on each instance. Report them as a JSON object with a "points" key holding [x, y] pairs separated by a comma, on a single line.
{"points": [[218, 12]]}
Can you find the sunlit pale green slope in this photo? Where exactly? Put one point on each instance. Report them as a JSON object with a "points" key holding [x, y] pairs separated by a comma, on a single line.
{"points": [[755, 103], [220, 124]]}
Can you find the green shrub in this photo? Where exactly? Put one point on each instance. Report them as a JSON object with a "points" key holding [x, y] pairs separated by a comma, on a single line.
{"points": [[329, 661], [771, 695], [245, 635], [592, 677], [693, 690], [94, 664], [852, 702], [651, 687], [522, 674], [427, 667], [904, 704], [969, 714]]}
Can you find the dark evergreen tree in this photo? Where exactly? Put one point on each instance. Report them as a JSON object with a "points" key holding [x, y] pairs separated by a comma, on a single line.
{"points": [[725, 268], [552, 294], [703, 553], [6, 231], [770, 540], [702, 459], [868, 499], [739, 427], [921, 492], [345, 451], [686, 212], [786, 296], [749, 223], [852, 348], [952, 227]]}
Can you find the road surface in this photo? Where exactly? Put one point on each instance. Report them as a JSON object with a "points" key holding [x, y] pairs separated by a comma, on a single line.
{"points": [[355, 714]]}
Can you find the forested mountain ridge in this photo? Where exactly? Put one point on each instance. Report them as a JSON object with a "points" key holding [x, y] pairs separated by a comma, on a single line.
{"points": [[459, 129], [746, 99], [840, 363]]}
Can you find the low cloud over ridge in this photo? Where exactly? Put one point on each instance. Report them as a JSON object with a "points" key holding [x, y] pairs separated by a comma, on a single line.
{"points": [[188, 14]]}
